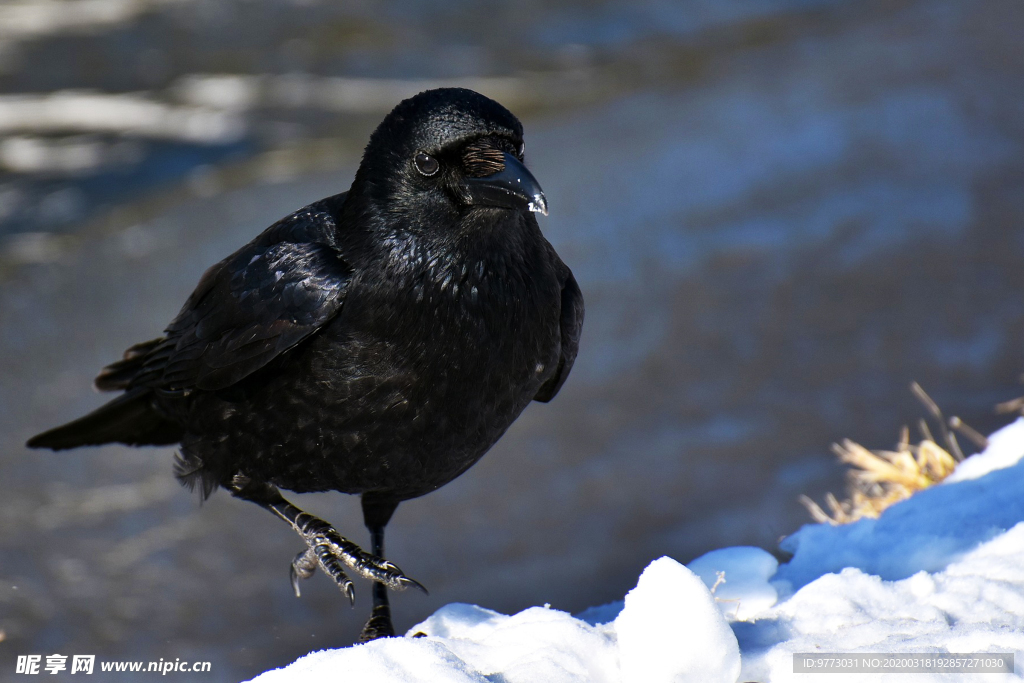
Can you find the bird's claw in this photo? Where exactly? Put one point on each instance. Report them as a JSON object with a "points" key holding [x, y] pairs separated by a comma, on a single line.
{"points": [[412, 583], [303, 567], [329, 550], [328, 561], [383, 571]]}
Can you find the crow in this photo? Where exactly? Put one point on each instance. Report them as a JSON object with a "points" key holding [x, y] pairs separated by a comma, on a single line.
{"points": [[377, 342]]}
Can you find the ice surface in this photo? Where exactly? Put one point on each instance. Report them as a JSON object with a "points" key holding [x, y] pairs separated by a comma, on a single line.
{"points": [[941, 572]]}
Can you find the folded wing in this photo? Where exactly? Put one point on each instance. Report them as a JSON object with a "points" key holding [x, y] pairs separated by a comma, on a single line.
{"points": [[248, 309]]}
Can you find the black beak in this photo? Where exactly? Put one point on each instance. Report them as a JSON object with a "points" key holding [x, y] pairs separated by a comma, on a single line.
{"points": [[514, 187]]}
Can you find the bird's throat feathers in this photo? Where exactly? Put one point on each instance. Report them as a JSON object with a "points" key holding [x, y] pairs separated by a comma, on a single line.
{"points": [[491, 261]]}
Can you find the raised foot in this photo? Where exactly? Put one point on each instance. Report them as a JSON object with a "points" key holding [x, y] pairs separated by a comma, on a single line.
{"points": [[331, 551], [304, 566]]}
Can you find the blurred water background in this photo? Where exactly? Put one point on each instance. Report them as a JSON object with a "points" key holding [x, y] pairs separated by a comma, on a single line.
{"points": [[781, 212]]}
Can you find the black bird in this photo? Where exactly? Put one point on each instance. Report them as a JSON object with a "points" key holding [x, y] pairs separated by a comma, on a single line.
{"points": [[377, 342]]}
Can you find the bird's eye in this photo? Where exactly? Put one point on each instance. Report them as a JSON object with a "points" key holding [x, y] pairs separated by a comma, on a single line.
{"points": [[426, 164]]}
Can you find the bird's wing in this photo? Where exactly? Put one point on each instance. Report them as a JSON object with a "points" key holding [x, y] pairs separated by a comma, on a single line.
{"points": [[570, 326], [251, 307]]}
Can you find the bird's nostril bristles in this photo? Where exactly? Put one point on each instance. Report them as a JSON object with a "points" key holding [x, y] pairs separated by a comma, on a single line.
{"points": [[483, 158]]}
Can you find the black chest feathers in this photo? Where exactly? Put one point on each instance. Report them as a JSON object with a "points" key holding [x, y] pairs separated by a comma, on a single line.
{"points": [[412, 382]]}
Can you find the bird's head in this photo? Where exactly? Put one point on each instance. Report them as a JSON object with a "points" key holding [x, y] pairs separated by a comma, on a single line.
{"points": [[448, 151]]}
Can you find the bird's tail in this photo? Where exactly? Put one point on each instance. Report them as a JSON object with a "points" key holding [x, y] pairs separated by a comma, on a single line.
{"points": [[129, 419]]}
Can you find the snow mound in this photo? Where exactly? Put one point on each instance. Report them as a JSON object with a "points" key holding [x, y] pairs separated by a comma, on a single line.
{"points": [[669, 630], [395, 660], [925, 532], [975, 605], [954, 559], [941, 572], [538, 644], [1005, 449]]}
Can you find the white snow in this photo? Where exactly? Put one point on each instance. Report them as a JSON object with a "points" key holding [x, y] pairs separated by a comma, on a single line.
{"points": [[538, 644], [671, 630], [925, 532], [942, 572], [739, 577], [1005, 449], [974, 605]]}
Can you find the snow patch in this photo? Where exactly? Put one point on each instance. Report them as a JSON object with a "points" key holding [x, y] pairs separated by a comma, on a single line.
{"points": [[1005, 449], [538, 644], [744, 590], [926, 532], [671, 630], [941, 572], [394, 660], [975, 605]]}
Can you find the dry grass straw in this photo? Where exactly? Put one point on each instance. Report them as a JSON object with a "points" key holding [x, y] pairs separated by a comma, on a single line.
{"points": [[878, 479], [1014, 406]]}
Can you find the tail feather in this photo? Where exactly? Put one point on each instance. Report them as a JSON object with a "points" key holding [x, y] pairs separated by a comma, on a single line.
{"points": [[129, 419]]}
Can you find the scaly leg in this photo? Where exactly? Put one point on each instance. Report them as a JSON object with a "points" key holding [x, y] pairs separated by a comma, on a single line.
{"points": [[326, 548], [376, 513]]}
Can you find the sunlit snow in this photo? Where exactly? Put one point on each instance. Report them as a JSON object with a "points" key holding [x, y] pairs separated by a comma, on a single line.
{"points": [[942, 572]]}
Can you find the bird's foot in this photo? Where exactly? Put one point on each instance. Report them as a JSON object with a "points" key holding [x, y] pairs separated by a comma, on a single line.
{"points": [[304, 566], [331, 552], [378, 625]]}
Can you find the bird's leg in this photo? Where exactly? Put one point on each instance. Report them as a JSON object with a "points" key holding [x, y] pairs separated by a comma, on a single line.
{"points": [[376, 514], [379, 624], [326, 548]]}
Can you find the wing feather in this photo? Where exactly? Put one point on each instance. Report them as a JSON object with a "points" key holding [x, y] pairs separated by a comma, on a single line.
{"points": [[248, 309], [570, 327]]}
